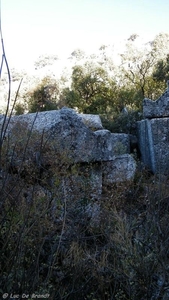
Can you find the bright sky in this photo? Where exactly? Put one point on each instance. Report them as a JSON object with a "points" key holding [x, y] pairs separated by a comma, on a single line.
{"points": [[35, 27]]}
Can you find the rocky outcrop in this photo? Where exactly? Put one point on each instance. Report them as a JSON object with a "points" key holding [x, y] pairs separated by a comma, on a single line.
{"points": [[68, 152], [43, 121], [91, 121], [120, 169], [154, 144], [153, 134], [158, 108], [111, 144]]}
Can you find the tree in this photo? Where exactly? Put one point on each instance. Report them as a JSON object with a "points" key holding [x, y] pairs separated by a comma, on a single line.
{"points": [[161, 70], [90, 90], [78, 54], [19, 108], [45, 60], [133, 37], [44, 96], [138, 65], [160, 45]]}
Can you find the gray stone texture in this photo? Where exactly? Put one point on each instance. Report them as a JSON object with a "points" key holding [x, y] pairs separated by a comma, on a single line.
{"points": [[158, 108], [74, 158], [44, 120], [154, 144], [121, 168], [66, 131], [82, 182], [153, 134], [91, 121], [111, 144]]}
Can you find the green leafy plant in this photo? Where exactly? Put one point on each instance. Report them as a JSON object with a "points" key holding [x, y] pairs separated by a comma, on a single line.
{"points": [[44, 96]]}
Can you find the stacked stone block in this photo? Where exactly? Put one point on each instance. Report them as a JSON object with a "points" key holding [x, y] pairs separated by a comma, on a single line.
{"points": [[153, 134]]}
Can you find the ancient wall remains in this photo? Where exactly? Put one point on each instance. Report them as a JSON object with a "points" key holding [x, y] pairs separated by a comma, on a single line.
{"points": [[153, 134]]}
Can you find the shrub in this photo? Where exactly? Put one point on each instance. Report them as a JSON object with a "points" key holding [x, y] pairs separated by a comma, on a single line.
{"points": [[19, 109], [123, 122], [44, 96], [49, 246]]}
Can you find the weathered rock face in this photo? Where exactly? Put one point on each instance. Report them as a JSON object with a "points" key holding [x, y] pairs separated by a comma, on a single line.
{"points": [[65, 130], [46, 119], [120, 169], [111, 144], [59, 150], [153, 134], [158, 108], [154, 144], [91, 121]]}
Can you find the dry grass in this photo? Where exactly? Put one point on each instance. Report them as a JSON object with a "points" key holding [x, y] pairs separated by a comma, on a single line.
{"points": [[62, 253]]}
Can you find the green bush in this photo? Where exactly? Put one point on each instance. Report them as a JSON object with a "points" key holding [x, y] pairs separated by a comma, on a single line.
{"points": [[19, 109], [44, 96], [123, 122]]}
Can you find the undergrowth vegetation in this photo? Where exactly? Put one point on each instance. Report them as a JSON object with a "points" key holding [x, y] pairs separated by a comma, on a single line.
{"points": [[50, 244], [50, 247]]}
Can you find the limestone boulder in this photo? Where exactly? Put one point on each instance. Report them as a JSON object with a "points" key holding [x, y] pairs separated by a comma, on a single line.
{"points": [[80, 182], [153, 138], [44, 120], [70, 135], [158, 108], [111, 144], [65, 131], [58, 149], [153, 134], [91, 121], [121, 168]]}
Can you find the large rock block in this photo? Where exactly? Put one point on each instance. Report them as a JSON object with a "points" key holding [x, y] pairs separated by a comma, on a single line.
{"points": [[44, 120], [58, 150], [81, 190], [65, 131], [82, 182], [68, 134], [158, 108], [153, 138], [91, 121], [121, 168], [111, 144]]}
